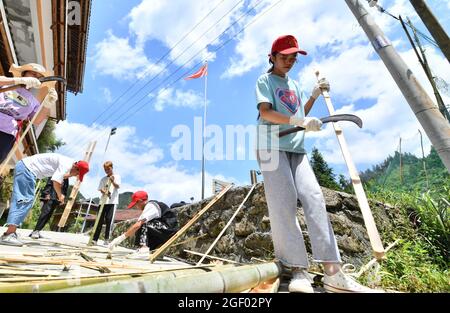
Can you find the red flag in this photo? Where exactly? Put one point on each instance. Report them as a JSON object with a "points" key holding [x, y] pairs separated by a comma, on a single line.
{"points": [[203, 71]]}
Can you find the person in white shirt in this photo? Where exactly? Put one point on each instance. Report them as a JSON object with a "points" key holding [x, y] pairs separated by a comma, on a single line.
{"points": [[150, 211], [112, 200], [26, 171]]}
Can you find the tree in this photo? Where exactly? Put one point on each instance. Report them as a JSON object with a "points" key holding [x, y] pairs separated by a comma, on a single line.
{"points": [[47, 140], [323, 172]]}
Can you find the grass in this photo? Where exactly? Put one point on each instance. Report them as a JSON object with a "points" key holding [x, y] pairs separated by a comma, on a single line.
{"points": [[420, 262]]}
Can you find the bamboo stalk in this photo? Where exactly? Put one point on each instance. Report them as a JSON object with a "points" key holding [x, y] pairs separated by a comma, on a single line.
{"points": [[168, 243]]}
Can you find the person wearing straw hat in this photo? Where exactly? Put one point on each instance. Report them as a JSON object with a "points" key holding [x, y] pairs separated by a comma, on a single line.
{"points": [[22, 103], [27, 170]]}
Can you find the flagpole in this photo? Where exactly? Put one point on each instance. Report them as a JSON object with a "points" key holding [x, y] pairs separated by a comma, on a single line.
{"points": [[203, 139]]}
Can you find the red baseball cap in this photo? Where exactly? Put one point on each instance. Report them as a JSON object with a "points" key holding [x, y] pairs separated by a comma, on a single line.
{"points": [[138, 195], [286, 44], [83, 168]]}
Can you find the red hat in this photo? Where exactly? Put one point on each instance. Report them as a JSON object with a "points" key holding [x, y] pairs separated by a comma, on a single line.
{"points": [[286, 44], [138, 195], [83, 168]]}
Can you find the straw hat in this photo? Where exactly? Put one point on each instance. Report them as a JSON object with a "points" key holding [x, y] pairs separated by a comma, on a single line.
{"points": [[18, 70]]}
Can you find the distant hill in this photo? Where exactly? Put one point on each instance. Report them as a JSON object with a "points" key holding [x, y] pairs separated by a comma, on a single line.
{"points": [[124, 200], [413, 173]]}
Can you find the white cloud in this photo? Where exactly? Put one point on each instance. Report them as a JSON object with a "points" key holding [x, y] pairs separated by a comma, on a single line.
{"points": [[107, 95], [170, 21], [115, 56], [138, 161], [177, 98]]}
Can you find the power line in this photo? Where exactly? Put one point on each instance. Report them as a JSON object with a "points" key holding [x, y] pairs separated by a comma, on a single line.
{"points": [[373, 3], [195, 55], [162, 71]]}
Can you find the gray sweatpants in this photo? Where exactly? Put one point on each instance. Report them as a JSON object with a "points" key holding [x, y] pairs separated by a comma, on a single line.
{"points": [[294, 178]]}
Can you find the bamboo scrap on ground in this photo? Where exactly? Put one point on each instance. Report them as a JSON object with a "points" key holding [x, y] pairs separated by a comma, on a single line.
{"points": [[168, 243], [227, 225], [210, 257], [102, 269]]}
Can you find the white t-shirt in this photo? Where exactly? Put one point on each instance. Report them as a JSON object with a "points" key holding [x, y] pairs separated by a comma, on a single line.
{"points": [[113, 190], [150, 212], [52, 165]]}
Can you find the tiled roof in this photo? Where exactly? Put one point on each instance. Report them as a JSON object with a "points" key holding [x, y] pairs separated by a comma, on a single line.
{"points": [[121, 215]]}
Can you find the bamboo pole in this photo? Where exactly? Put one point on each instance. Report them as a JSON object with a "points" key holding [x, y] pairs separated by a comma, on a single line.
{"points": [[227, 225], [219, 280], [168, 243], [374, 236], [100, 211], [76, 188]]}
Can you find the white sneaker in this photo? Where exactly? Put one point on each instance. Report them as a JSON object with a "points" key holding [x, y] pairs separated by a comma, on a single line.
{"points": [[11, 240], [35, 234], [342, 283], [300, 282]]}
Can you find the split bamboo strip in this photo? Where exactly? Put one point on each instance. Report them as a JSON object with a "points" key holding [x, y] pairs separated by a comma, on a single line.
{"points": [[99, 213], [227, 225], [168, 243], [374, 260], [76, 188], [211, 257], [374, 236]]}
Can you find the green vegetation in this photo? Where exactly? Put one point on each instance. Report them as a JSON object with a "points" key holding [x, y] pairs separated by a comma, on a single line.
{"points": [[324, 173], [47, 141], [420, 263], [420, 189]]}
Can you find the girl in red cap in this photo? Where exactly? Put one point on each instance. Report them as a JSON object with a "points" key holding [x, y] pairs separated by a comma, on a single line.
{"points": [[288, 175]]}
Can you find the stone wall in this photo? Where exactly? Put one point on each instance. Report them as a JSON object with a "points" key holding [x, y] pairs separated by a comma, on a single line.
{"points": [[249, 235]]}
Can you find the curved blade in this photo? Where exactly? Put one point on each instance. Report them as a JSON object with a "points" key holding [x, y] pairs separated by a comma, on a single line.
{"points": [[332, 118], [343, 117]]}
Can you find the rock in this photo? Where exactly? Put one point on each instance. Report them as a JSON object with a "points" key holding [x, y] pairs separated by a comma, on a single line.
{"points": [[259, 245], [244, 228], [249, 234]]}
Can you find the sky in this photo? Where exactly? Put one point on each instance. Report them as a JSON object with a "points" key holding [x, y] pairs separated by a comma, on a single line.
{"points": [[139, 51]]}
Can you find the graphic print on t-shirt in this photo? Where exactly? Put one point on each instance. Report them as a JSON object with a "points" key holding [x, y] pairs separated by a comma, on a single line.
{"points": [[13, 98], [289, 99]]}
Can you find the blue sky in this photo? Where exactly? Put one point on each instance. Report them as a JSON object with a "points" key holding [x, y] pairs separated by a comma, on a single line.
{"points": [[127, 38]]}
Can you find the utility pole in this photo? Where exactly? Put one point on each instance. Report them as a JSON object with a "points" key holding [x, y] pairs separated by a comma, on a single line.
{"points": [[433, 26], [435, 125]]}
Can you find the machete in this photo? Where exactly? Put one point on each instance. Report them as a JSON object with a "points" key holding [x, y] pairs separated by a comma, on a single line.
{"points": [[332, 118]]}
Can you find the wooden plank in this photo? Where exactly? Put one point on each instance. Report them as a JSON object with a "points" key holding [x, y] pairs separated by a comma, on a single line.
{"points": [[168, 243], [374, 236], [227, 225], [76, 188]]}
